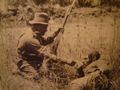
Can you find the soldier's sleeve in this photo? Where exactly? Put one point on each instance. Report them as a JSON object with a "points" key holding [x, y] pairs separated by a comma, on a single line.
{"points": [[48, 40], [28, 45], [51, 56], [56, 33], [82, 63]]}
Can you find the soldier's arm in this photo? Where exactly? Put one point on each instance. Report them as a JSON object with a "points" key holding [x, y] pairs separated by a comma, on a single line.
{"points": [[55, 58], [51, 38], [55, 34], [28, 45], [31, 45], [82, 63]]}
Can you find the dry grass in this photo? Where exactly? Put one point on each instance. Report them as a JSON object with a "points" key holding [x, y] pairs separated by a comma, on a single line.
{"points": [[84, 32]]}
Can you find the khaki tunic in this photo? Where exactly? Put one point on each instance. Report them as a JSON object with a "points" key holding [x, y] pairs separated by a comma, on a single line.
{"points": [[32, 51]]}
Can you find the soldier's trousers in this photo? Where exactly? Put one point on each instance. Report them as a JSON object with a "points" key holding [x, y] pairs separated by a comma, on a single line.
{"points": [[29, 68]]}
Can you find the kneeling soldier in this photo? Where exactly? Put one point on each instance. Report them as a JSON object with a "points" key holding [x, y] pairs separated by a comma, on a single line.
{"points": [[31, 47]]}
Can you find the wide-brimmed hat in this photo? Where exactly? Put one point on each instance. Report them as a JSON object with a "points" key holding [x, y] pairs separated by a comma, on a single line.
{"points": [[40, 18]]}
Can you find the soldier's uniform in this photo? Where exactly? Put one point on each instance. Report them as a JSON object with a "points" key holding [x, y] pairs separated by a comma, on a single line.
{"points": [[31, 57], [32, 51]]}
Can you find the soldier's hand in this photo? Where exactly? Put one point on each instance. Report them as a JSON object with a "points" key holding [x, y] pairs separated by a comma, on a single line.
{"points": [[78, 65], [67, 61], [61, 29], [57, 32], [72, 63]]}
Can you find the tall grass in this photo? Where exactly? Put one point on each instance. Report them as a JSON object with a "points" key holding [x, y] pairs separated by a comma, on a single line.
{"points": [[83, 32]]}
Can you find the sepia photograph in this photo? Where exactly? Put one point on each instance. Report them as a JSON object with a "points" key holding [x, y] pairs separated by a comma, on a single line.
{"points": [[59, 44]]}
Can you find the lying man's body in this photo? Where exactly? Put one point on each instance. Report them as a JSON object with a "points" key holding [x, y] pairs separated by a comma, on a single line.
{"points": [[95, 74]]}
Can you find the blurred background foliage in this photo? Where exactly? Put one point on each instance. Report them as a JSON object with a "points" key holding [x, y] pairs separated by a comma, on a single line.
{"points": [[6, 3], [24, 9]]}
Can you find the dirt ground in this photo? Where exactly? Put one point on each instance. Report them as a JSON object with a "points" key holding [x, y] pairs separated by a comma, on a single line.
{"points": [[88, 29]]}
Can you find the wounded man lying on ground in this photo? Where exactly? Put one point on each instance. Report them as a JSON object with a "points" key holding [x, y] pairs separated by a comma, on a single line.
{"points": [[94, 74], [31, 47]]}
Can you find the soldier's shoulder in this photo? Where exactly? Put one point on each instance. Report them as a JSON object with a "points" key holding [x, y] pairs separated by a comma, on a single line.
{"points": [[26, 35]]}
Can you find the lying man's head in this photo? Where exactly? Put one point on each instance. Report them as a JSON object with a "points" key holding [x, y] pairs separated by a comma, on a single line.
{"points": [[93, 56]]}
